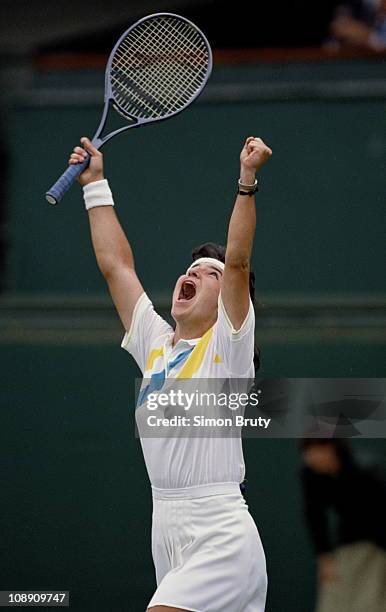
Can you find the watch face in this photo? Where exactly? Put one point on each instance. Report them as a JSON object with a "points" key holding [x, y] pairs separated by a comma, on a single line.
{"points": [[247, 193]]}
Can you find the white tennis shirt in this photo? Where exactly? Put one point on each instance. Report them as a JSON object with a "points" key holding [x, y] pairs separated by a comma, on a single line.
{"points": [[222, 352]]}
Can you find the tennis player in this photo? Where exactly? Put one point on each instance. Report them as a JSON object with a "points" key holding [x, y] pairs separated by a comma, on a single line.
{"points": [[206, 548]]}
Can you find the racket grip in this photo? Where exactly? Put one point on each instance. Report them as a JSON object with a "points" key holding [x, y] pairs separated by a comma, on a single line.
{"points": [[63, 184]]}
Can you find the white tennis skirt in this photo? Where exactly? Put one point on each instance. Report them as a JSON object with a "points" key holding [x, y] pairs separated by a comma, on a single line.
{"points": [[207, 551]]}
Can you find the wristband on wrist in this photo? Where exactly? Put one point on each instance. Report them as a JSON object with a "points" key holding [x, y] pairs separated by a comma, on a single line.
{"points": [[97, 193], [249, 190]]}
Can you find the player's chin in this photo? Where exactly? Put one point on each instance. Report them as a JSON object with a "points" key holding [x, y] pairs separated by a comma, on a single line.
{"points": [[181, 307]]}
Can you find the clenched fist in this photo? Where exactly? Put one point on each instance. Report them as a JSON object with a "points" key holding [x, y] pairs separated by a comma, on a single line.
{"points": [[254, 154]]}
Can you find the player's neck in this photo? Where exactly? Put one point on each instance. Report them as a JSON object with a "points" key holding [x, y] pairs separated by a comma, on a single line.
{"points": [[186, 331]]}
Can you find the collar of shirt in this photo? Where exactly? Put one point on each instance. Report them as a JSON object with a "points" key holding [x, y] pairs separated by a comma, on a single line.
{"points": [[181, 344], [171, 352]]}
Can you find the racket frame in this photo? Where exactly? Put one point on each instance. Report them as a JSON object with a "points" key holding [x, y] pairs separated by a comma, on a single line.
{"points": [[109, 100]]}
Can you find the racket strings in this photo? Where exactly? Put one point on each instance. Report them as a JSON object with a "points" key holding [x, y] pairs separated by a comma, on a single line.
{"points": [[159, 67], [160, 52], [166, 57], [162, 86]]}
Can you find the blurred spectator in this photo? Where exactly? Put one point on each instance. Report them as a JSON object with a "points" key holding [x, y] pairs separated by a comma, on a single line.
{"points": [[345, 508], [359, 23]]}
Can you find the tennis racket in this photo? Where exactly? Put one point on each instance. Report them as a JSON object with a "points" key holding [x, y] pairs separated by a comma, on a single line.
{"points": [[157, 68]]}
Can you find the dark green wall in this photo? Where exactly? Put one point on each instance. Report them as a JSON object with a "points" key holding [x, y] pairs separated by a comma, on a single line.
{"points": [[76, 505], [320, 226]]}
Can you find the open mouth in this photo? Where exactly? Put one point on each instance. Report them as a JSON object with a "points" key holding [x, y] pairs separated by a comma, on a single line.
{"points": [[187, 291]]}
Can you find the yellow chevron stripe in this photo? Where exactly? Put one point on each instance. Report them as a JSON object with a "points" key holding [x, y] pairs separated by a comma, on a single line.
{"points": [[153, 355], [217, 358], [197, 355]]}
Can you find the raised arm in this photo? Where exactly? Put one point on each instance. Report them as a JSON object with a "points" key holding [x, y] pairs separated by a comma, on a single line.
{"points": [[235, 286], [112, 249]]}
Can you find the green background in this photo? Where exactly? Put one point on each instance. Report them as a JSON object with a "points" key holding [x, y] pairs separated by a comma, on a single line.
{"points": [[320, 221], [76, 503]]}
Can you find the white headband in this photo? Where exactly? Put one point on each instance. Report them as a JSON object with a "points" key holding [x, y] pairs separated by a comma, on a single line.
{"points": [[207, 260]]}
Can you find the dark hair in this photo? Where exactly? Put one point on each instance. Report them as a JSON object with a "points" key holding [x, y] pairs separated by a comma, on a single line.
{"points": [[341, 446], [217, 251]]}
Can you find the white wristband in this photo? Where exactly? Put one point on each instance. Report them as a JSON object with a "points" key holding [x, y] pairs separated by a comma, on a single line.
{"points": [[97, 194]]}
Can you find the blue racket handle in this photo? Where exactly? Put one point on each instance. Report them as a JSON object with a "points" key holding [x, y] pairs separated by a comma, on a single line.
{"points": [[63, 184]]}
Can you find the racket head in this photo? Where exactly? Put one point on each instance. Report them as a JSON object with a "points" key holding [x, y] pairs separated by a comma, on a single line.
{"points": [[158, 67]]}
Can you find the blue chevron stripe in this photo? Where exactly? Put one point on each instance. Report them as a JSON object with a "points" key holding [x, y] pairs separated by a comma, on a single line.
{"points": [[180, 358]]}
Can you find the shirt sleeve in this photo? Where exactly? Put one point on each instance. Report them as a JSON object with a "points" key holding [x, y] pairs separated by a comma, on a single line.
{"points": [[146, 326], [235, 347]]}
